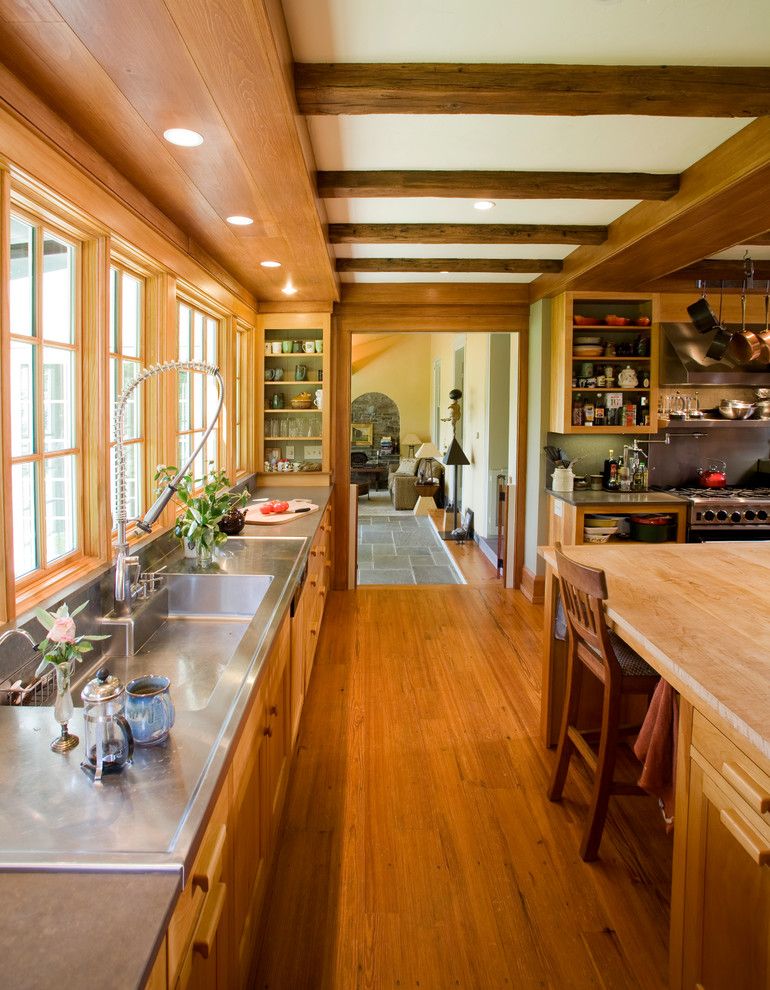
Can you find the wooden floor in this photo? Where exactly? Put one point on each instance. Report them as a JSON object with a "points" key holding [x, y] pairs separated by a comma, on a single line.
{"points": [[419, 849]]}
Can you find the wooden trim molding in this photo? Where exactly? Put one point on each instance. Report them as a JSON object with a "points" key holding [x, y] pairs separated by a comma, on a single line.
{"points": [[7, 595], [557, 90], [465, 233], [533, 586], [498, 185]]}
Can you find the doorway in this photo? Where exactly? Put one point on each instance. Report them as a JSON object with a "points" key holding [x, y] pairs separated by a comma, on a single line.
{"points": [[417, 370]]}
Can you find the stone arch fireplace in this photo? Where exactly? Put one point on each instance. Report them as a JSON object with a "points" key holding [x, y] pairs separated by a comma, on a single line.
{"points": [[382, 412]]}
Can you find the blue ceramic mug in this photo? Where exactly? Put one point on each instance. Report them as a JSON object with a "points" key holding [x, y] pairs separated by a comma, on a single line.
{"points": [[149, 709]]}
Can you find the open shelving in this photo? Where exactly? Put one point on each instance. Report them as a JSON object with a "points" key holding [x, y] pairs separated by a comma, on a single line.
{"points": [[567, 405], [311, 452]]}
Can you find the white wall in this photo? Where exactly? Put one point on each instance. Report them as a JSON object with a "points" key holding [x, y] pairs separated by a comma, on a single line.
{"points": [[536, 531]]}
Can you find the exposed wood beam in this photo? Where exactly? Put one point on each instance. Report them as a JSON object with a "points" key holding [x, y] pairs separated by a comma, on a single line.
{"points": [[722, 201], [762, 241], [463, 233], [714, 270], [512, 266], [498, 185], [560, 90]]}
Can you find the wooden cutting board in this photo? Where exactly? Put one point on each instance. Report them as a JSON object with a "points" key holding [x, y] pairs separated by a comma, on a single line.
{"points": [[256, 518]]}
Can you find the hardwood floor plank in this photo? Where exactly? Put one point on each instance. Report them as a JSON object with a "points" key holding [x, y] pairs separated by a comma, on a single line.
{"points": [[419, 848]]}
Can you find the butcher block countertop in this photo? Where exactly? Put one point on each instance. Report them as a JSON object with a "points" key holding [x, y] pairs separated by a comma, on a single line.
{"points": [[698, 613]]}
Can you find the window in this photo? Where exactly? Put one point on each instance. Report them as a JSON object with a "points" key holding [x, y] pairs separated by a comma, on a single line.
{"points": [[197, 394], [45, 454], [126, 360], [241, 369]]}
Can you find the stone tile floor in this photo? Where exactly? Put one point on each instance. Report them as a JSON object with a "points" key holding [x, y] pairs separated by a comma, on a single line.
{"points": [[402, 549]]}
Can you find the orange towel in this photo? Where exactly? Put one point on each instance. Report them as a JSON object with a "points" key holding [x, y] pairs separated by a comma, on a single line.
{"points": [[655, 746]]}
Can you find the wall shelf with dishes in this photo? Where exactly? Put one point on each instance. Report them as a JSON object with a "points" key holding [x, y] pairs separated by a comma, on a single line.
{"points": [[294, 423], [604, 351]]}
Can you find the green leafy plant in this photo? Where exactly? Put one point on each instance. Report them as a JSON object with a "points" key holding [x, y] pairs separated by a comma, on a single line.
{"points": [[203, 507], [61, 647]]}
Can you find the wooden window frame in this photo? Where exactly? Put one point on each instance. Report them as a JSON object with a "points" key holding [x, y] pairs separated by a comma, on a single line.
{"points": [[121, 266], [196, 304], [46, 573]]}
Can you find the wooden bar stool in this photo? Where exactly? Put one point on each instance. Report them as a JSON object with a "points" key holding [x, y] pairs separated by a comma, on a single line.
{"points": [[592, 646]]}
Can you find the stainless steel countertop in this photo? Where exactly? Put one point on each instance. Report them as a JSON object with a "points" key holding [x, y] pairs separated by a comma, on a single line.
{"points": [[587, 497], [52, 815]]}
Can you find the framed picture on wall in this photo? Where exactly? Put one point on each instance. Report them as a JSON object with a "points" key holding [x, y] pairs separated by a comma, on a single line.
{"points": [[361, 434]]}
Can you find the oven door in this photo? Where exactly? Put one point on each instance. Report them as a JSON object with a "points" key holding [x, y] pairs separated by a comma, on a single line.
{"points": [[733, 534]]}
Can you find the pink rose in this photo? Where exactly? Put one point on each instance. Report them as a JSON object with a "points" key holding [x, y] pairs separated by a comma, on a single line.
{"points": [[63, 631]]}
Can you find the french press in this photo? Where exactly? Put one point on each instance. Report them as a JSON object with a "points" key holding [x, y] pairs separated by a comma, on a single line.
{"points": [[108, 739]]}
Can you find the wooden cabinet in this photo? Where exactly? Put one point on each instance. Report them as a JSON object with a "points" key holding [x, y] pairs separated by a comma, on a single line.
{"points": [[721, 896], [566, 522], [626, 408], [307, 618], [198, 936], [212, 936], [298, 432]]}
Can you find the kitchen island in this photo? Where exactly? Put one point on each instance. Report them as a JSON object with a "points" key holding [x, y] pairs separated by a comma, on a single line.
{"points": [[153, 847], [693, 613]]}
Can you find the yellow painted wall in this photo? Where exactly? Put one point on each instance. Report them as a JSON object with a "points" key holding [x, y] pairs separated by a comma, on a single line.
{"points": [[399, 366]]}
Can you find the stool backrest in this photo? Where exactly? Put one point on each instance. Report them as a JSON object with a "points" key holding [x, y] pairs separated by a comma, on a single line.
{"points": [[584, 592]]}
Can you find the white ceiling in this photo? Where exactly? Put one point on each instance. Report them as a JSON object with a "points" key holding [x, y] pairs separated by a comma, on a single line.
{"points": [[704, 32], [632, 32]]}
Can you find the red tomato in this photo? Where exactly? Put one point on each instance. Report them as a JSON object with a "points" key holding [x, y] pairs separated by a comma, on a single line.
{"points": [[280, 506], [267, 509]]}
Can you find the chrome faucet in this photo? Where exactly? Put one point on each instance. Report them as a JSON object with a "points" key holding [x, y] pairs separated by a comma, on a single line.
{"points": [[17, 632], [125, 563]]}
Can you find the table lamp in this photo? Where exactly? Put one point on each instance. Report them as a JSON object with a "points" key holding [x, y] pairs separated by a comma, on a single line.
{"points": [[411, 440], [454, 458]]}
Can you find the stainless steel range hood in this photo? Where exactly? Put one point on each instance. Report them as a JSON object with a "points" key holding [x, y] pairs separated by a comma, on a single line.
{"points": [[684, 362]]}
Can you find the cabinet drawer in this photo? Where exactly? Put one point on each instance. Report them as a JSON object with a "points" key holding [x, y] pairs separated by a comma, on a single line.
{"points": [[203, 881], [732, 766]]}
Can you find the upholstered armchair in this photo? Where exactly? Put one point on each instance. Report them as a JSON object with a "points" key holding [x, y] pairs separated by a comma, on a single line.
{"points": [[403, 479]]}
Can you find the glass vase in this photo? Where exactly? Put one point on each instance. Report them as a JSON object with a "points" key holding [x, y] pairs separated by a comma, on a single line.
{"points": [[64, 708]]}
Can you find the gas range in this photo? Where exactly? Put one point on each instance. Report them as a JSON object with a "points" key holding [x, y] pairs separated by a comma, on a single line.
{"points": [[726, 509]]}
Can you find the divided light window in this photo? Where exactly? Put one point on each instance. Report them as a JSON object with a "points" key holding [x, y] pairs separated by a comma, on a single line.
{"points": [[197, 395], [126, 360], [45, 449], [241, 353]]}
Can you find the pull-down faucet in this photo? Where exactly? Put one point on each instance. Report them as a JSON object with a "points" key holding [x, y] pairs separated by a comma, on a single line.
{"points": [[124, 587]]}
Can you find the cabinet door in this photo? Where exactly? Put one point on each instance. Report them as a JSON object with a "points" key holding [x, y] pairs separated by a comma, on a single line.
{"points": [[727, 891], [249, 840], [297, 664], [277, 749]]}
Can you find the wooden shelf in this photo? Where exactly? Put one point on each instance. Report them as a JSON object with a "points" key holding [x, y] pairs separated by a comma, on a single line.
{"points": [[576, 430], [292, 382], [296, 355], [271, 412], [607, 388], [609, 357], [606, 329], [293, 439]]}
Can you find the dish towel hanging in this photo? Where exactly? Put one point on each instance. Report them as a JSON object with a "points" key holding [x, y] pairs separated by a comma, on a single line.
{"points": [[655, 747]]}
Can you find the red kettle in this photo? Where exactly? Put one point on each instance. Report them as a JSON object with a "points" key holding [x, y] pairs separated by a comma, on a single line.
{"points": [[713, 476]]}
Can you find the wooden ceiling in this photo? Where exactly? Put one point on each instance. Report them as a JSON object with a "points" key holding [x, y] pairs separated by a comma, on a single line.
{"points": [[119, 73]]}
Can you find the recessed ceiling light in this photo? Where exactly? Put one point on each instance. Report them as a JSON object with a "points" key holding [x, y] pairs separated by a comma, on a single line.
{"points": [[484, 204], [270, 264], [288, 289], [238, 221], [443, 273], [183, 137]]}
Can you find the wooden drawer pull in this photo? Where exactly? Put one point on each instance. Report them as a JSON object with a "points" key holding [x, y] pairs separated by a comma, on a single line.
{"points": [[206, 932], [204, 875], [746, 836], [747, 787]]}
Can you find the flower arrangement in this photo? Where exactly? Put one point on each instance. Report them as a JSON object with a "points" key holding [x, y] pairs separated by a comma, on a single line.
{"points": [[62, 648], [198, 525]]}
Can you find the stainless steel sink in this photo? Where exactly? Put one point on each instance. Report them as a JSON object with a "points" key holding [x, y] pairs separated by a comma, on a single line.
{"points": [[221, 595]]}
